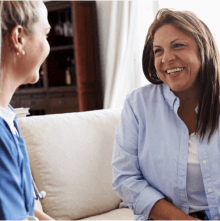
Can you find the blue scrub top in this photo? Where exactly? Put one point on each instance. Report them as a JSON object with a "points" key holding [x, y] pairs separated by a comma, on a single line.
{"points": [[16, 191]]}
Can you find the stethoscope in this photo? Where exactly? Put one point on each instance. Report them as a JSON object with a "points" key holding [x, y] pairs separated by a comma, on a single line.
{"points": [[38, 195]]}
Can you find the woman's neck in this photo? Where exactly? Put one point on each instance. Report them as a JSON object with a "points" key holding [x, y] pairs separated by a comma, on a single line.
{"points": [[190, 96], [7, 89], [186, 111]]}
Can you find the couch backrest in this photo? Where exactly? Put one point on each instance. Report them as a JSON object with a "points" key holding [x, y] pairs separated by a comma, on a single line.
{"points": [[70, 156]]}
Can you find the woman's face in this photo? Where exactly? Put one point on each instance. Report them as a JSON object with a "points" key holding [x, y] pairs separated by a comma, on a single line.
{"points": [[176, 59], [36, 48]]}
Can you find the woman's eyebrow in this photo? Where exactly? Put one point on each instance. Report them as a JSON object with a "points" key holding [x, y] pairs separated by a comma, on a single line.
{"points": [[170, 42], [158, 46], [174, 41]]}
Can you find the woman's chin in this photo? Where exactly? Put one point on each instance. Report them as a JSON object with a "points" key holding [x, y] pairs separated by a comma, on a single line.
{"points": [[34, 82], [34, 79]]}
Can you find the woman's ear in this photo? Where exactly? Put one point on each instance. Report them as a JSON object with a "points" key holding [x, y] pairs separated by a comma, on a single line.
{"points": [[17, 38]]}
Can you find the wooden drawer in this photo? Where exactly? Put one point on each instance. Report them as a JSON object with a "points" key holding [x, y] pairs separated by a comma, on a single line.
{"points": [[34, 103], [63, 104]]}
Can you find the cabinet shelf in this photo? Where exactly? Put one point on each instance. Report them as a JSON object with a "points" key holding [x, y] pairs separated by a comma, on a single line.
{"points": [[31, 91], [62, 89], [61, 48]]}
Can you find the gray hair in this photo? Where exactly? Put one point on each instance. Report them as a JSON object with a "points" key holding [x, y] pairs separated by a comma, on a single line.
{"points": [[12, 13], [22, 13]]}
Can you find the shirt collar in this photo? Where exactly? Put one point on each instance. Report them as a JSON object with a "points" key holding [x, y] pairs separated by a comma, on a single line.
{"points": [[7, 115], [172, 99]]}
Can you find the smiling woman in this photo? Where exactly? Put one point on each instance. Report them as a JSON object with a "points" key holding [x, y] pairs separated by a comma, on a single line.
{"points": [[166, 150], [176, 59], [202, 59]]}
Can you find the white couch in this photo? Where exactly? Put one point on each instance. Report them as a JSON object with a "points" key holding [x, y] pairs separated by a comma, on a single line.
{"points": [[70, 156]]}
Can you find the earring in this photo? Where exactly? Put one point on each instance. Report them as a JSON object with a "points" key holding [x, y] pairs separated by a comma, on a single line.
{"points": [[19, 54]]}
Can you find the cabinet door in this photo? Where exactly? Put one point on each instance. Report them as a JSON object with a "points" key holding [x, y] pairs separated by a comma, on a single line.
{"points": [[60, 64]]}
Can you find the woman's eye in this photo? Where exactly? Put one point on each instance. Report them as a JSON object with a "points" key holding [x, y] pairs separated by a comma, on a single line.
{"points": [[179, 45], [157, 51]]}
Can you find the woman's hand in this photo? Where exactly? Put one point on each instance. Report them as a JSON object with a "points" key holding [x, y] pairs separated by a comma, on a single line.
{"points": [[163, 210], [41, 215]]}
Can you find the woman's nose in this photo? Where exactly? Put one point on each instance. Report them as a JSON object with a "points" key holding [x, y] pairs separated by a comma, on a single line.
{"points": [[168, 56]]}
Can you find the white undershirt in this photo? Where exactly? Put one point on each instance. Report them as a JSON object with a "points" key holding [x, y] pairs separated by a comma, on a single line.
{"points": [[193, 152], [194, 181], [9, 116]]}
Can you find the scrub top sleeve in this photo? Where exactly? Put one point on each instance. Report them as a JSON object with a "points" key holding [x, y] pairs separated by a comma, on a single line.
{"points": [[128, 180], [12, 205]]}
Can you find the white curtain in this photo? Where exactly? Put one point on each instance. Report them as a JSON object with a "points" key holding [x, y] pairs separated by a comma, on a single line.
{"points": [[129, 22]]}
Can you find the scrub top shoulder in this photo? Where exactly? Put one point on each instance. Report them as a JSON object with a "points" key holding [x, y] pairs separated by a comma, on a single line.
{"points": [[16, 193]]}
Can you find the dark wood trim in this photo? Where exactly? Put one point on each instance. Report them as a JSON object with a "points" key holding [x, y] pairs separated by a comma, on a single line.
{"points": [[87, 55], [61, 48], [64, 89], [31, 91], [88, 4], [57, 5]]}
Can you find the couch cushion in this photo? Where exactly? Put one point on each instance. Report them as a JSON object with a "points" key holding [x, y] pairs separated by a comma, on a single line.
{"points": [[117, 214], [70, 156]]}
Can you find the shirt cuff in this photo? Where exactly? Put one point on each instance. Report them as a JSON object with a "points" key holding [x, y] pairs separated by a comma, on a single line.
{"points": [[148, 197]]}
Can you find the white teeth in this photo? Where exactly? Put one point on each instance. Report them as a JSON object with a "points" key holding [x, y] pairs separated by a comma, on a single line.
{"points": [[174, 70]]}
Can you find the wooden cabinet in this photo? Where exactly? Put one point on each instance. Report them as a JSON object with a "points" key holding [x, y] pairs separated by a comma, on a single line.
{"points": [[63, 82]]}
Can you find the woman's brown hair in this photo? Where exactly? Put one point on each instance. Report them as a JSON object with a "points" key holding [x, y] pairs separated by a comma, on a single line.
{"points": [[208, 76]]}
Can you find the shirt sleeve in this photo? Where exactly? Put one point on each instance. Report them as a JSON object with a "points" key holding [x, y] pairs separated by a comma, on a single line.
{"points": [[12, 206], [128, 180]]}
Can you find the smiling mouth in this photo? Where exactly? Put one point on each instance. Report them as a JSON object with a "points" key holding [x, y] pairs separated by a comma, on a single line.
{"points": [[174, 71]]}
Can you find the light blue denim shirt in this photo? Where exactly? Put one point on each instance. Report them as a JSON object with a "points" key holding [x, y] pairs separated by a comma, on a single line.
{"points": [[151, 153]]}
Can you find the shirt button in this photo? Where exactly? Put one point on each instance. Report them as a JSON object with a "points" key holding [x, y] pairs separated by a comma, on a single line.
{"points": [[204, 162], [209, 190]]}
